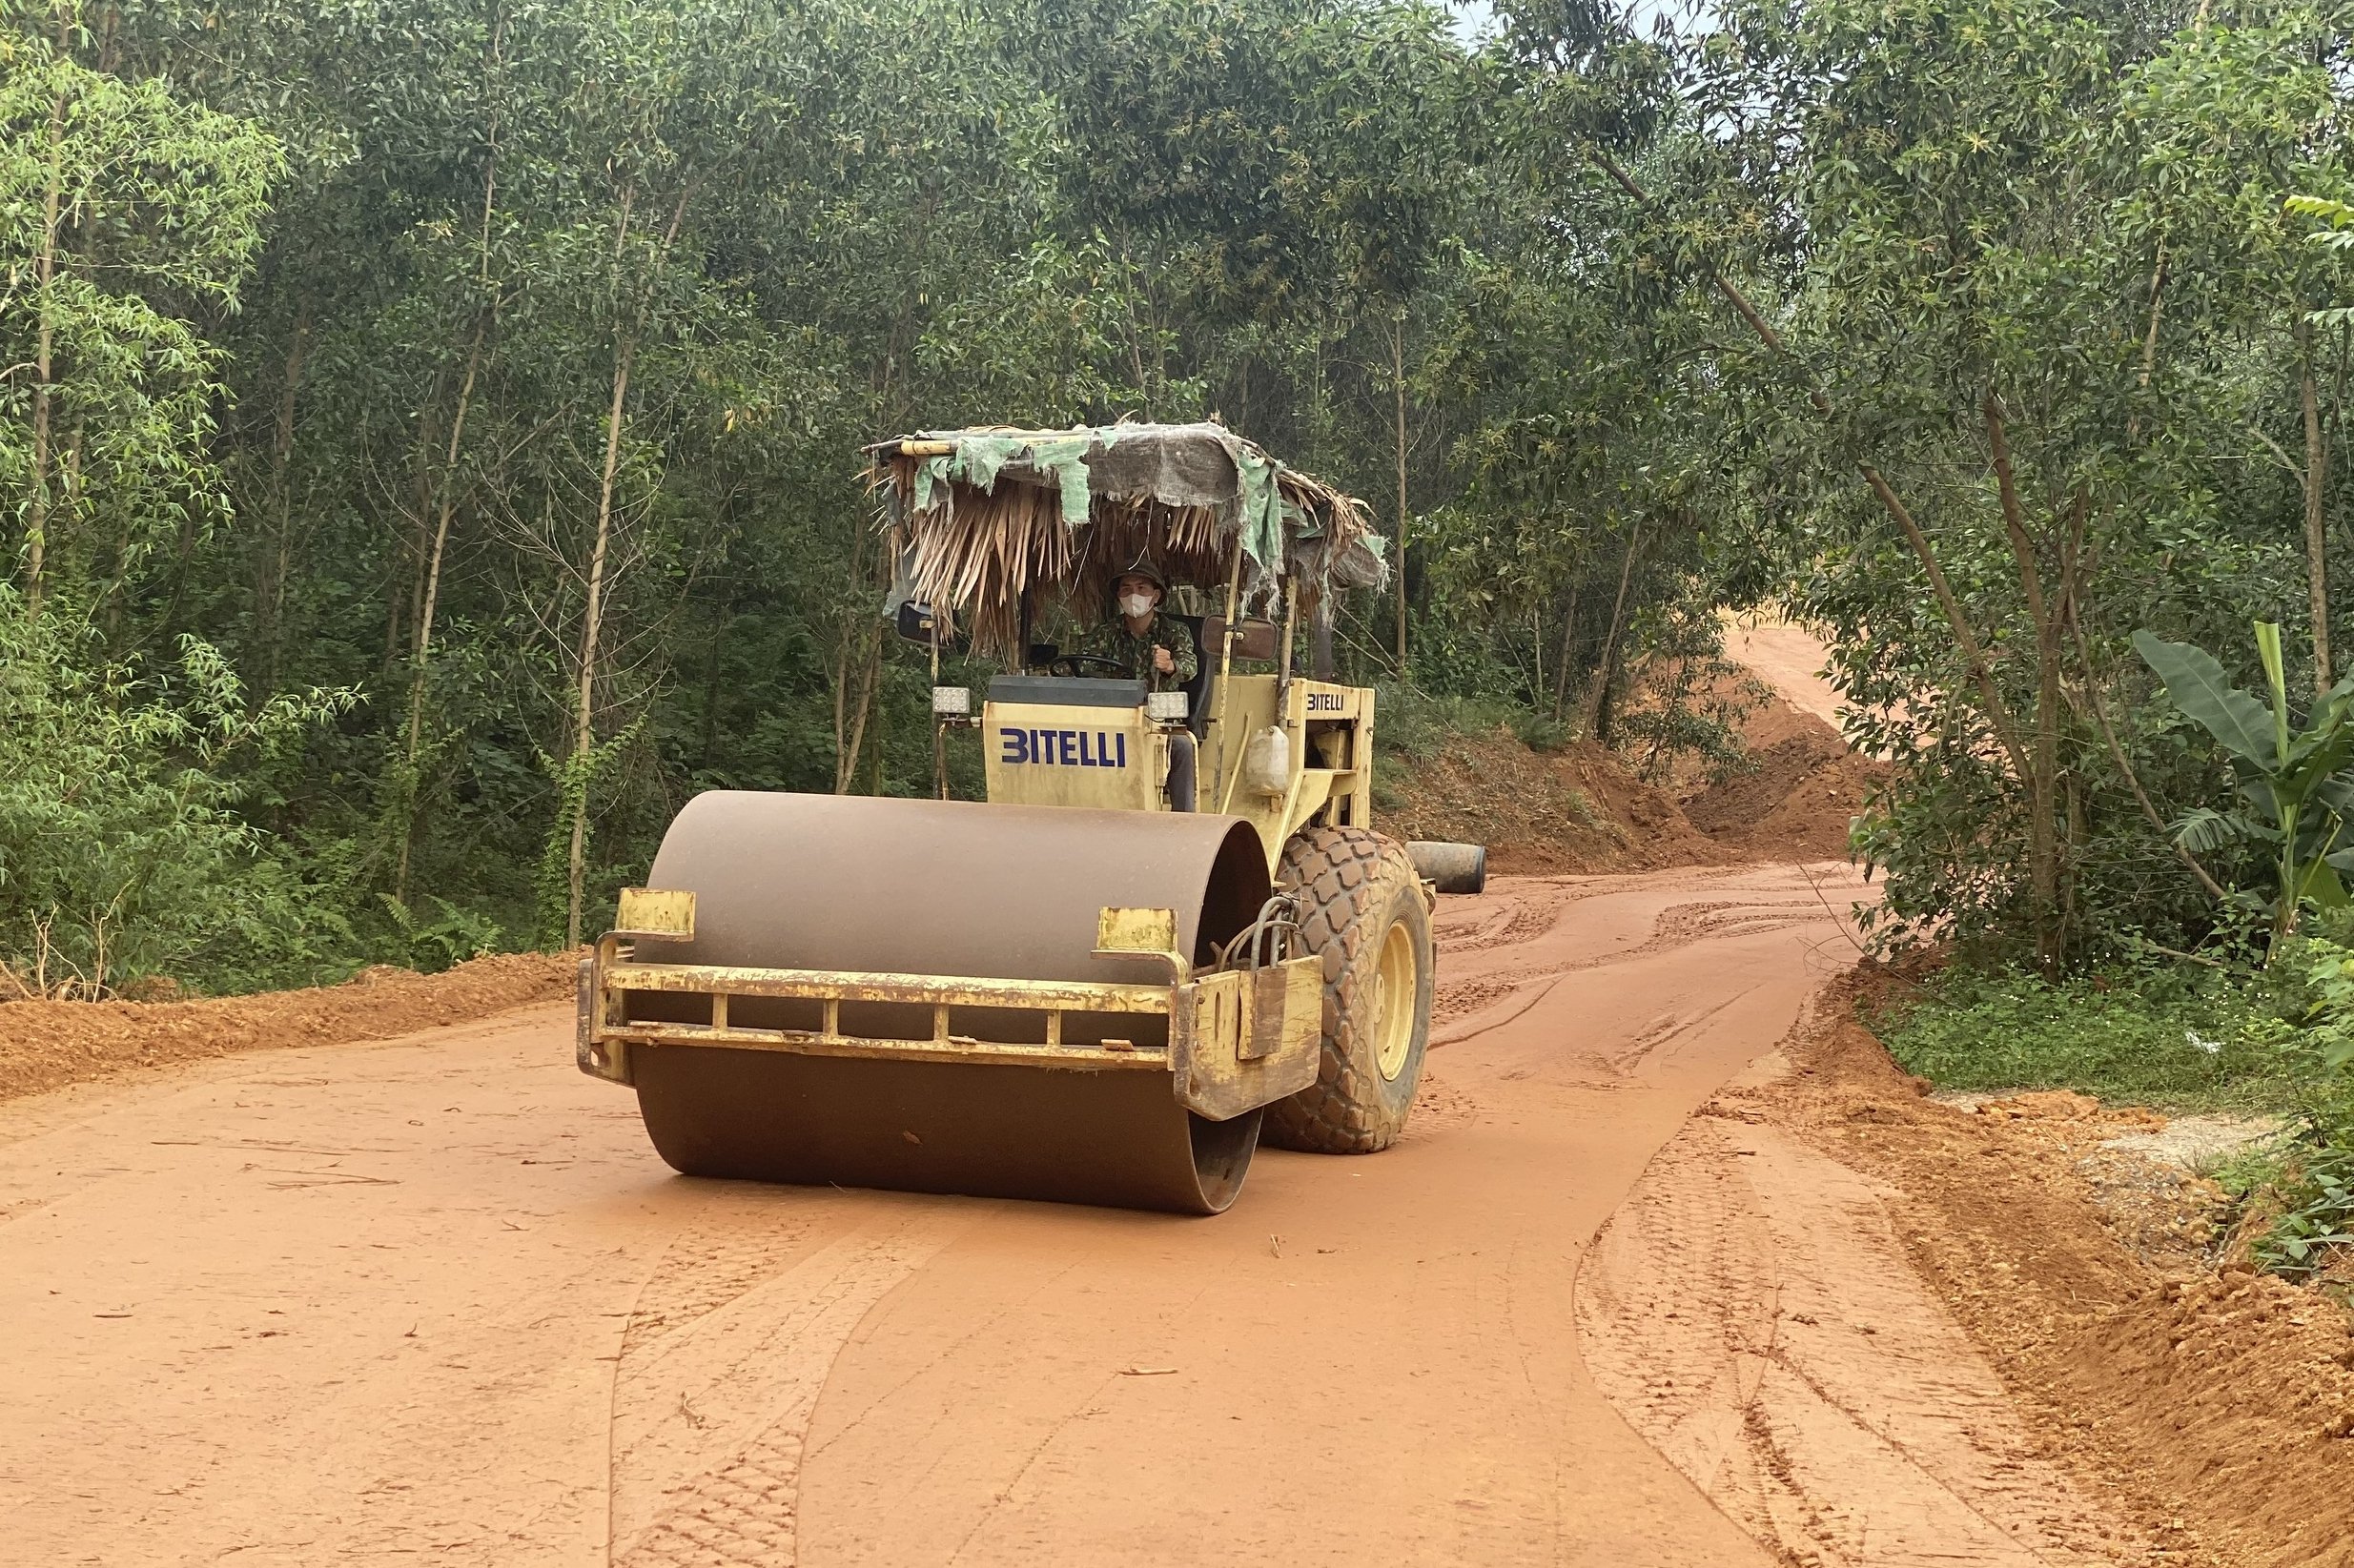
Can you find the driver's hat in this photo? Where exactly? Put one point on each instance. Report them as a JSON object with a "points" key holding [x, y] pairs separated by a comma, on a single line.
{"points": [[1142, 567]]}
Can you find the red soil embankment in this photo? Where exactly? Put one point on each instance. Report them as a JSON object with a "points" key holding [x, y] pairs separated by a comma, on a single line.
{"points": [[48, 1044]]}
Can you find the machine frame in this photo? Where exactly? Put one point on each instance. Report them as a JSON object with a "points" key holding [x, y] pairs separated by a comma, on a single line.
{"points": [[1233, 1039], [1235, 1034]]}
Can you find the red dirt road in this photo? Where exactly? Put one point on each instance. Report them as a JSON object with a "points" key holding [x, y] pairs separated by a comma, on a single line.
{"points": [[435, 1300]]}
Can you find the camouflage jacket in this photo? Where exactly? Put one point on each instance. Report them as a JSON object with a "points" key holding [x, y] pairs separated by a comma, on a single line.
{"points": [[1134, 654]]}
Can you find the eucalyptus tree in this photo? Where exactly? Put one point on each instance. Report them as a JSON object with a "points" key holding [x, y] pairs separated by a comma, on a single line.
{"points": [[1277, 185], [124, 212], [1994, 437]]}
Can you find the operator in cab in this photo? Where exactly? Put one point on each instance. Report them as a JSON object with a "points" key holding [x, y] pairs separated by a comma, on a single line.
{"points": [[1156, 648]]}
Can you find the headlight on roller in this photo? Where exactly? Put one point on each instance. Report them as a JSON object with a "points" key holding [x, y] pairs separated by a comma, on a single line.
{"points": [[951, 701], [1165, 707]]}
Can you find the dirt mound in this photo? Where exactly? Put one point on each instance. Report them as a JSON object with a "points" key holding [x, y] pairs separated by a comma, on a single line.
{"points": [[1586, 809], [48, 1044], [1795, 802], [1572, 811], [2216, 1408], [1750, 1310], [1802, 786]]}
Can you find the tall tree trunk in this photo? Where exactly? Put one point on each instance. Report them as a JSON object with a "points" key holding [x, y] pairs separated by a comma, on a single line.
{"points": [[592, 617], [592, 624], [843, 761], [269, 593], [1568, 647], [446, 491], [45, 271], [2317, 476], [1597, 689], [858, 666], [1398, 383], [847, 743], [445, 504], [417, 519], [2043, 775]]}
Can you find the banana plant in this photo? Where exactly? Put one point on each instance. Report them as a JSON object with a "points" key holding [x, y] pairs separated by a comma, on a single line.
{"points": [[2295, 798]]}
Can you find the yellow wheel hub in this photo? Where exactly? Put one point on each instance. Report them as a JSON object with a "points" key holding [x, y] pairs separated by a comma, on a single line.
{"points": [[1394, 985]]}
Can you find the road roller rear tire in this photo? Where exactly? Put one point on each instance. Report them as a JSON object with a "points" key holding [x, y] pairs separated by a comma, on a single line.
{"points": [[1362, 911]]}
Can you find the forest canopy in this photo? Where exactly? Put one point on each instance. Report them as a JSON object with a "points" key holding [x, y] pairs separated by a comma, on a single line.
{"points": [[431, 429]]}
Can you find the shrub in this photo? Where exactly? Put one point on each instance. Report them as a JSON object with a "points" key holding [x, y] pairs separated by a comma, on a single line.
{"points": [[122, 855]]}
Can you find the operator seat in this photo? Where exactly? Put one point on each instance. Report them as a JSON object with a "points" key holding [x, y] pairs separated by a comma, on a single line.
{"points": [[1197, 690]]}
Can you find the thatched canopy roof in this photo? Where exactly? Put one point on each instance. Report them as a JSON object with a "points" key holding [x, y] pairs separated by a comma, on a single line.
{"points": [[989, 523]]}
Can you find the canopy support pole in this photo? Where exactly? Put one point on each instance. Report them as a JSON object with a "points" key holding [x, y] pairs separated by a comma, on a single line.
{"points": [[1225, 667]]}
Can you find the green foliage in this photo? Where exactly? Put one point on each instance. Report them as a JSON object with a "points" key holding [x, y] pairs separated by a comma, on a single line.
{"points": [[2306, 1187], [577, 778], [509, 366], [452, 936], [1416, 724], [123, 210], [2292, 781], [2316, 1190], [2169, 1036], [2336, 234], [2028, 372], [123, 852]]}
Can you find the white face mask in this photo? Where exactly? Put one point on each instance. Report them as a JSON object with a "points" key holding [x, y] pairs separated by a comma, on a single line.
{"points": [[1136, 606]]}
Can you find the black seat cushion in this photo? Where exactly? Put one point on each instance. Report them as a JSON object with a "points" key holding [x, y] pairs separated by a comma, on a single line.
{"points": [[1197, 689]]}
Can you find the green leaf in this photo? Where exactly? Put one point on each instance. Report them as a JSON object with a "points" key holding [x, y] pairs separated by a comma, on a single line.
{"points": [[2275, 677], [2203, 692]]}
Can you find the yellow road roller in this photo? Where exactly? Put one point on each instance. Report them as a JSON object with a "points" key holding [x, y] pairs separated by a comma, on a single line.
{"points": [[1169, 931]]}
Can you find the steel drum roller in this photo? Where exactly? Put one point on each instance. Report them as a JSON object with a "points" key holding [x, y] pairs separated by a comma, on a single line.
{"points": [[942, 888]]}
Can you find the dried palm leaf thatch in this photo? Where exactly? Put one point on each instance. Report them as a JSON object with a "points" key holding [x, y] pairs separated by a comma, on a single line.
{"points": [[990, 527]]}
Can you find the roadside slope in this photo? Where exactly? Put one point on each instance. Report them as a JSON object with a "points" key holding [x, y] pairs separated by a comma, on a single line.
{"points": [[48, 1044], [1583, 807]]}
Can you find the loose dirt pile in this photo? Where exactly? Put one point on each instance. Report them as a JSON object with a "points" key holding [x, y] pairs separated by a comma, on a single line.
{"points": [[48, 1045], [1584, 810], [1751, 1311], [1576, 810], [1797, 801], [1802, 786], [2215, 1409]]}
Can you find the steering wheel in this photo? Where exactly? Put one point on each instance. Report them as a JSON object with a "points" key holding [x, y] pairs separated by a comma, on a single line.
{"points": [[1067, 663]]}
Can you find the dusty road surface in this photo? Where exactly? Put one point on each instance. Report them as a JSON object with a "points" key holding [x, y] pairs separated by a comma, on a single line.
{"points": [[1788, 658], [434, 1300]]}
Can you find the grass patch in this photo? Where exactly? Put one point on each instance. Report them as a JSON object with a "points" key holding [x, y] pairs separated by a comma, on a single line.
{"points": [[2162, 1038], [2278, 1043], [1413, 724]]}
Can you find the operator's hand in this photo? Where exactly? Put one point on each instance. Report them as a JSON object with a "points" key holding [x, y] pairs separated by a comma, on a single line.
{"points": [[1162, 662]]}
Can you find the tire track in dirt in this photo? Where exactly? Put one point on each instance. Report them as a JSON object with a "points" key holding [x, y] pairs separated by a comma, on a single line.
{"points": [[721, 1367], [1517, 910], [1750, 1310], [1466, 1008], [518, 1340]]}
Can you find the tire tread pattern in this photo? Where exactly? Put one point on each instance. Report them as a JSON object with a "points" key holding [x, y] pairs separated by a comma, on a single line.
{"points": [[1343, 879]]}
